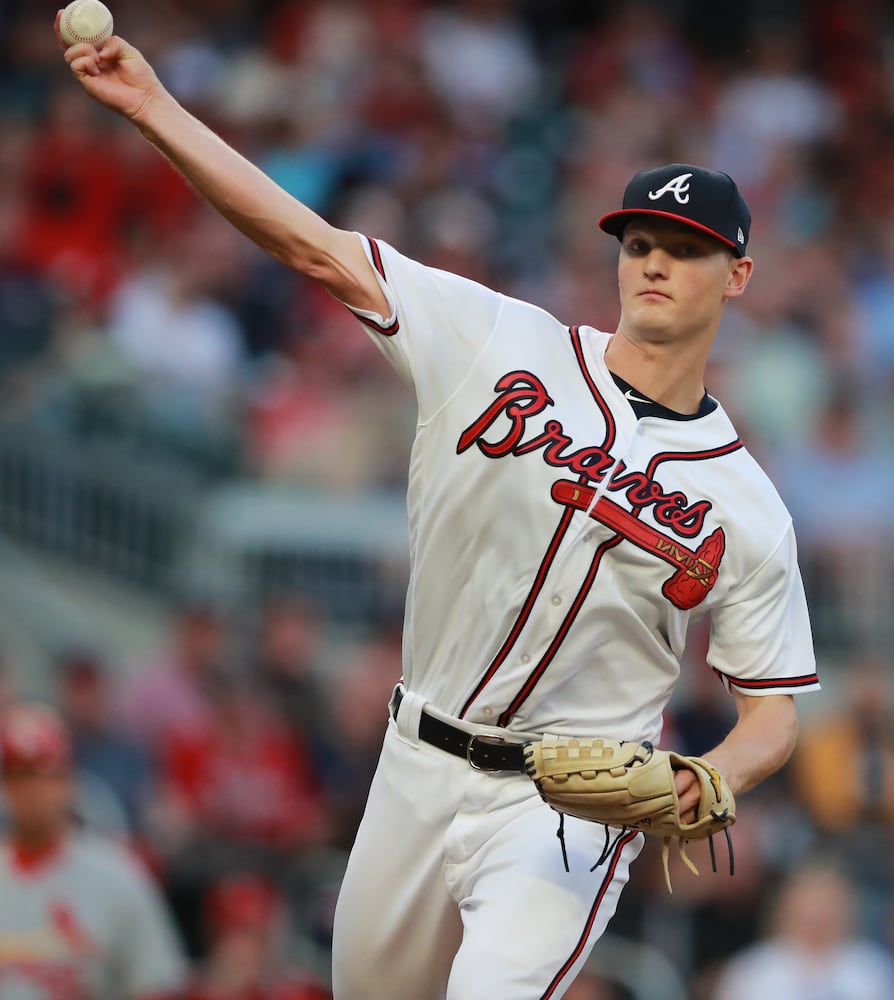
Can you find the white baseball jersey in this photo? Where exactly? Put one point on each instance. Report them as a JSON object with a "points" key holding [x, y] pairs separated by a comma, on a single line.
{"points": [[560, 545], [84, 924]]}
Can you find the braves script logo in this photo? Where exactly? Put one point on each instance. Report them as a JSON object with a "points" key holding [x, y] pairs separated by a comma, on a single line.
{"points": [[678, 187], [523, 396]]}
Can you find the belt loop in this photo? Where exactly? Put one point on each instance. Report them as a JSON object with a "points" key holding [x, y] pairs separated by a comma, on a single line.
{"points": [[394, 701], [408, 715]]}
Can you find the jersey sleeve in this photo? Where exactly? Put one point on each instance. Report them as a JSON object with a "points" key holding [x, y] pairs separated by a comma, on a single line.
{"points": [[761, 640], [149, 959], [437, 326]]}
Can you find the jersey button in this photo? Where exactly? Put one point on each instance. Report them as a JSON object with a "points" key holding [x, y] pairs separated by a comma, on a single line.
{"points": [[525, 658], [487, 712], [556, 599]]}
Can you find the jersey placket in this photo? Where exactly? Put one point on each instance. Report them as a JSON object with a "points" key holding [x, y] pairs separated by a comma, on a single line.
{"points": [[561, 623]]}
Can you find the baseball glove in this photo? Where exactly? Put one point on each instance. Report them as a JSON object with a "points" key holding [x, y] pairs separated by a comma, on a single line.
{"points": [[630, 784]]}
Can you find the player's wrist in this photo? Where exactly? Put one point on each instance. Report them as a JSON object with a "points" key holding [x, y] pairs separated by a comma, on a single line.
{"points": [[725, 766], [157, 109]]}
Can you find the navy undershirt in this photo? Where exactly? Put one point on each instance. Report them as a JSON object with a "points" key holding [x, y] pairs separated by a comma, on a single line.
{"points": [[643, 406]]}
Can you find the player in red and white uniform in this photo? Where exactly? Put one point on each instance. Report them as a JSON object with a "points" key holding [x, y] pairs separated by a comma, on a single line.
{"points": [[79, 918], [576, 501]]}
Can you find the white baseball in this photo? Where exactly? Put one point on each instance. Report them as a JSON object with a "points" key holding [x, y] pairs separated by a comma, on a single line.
{"points": [[86, 21]]}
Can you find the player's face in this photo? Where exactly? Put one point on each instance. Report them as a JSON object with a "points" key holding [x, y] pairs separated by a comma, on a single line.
{"points": [[674, 280], [37, 804]]}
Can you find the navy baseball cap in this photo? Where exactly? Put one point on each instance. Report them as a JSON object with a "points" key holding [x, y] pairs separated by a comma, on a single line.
{"points": [[704, 199]]}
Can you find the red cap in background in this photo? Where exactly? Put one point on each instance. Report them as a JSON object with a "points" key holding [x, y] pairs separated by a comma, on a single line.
{"points": [[34, 739], [241, 902]]}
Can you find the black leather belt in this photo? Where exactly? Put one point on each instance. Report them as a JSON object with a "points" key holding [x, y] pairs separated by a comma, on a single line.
{"points": [[483, 752]]}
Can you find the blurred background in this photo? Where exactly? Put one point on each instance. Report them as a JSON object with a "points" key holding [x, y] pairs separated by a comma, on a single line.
{"points": [[203, 458]]}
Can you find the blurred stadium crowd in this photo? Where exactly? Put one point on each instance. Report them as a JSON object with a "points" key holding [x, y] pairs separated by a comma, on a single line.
{"points": [[484, 137]]}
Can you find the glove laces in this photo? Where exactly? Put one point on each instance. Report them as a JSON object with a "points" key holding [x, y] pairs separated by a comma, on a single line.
{"points": [[690, 864], [607, 847]]}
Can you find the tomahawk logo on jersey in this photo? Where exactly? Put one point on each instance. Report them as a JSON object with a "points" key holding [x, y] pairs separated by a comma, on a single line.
{"points": [[559, 557]]}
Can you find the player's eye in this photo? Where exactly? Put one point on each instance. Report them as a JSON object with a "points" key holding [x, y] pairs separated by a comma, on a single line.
{"points": [[688, 250], [636, 246]]}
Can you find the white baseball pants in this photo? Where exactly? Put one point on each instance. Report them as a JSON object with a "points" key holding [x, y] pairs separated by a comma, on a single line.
{"points": [[456, 889]]}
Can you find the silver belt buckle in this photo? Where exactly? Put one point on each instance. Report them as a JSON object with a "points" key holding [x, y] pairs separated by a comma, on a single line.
{"points": [[493, 740]]}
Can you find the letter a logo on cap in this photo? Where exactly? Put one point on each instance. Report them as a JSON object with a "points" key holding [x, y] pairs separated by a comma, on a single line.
{"points": [[678, 187]]}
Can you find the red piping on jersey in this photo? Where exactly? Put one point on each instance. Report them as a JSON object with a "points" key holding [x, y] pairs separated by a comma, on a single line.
{"points": [[588, 927], [525, 612], [559, 637], [804, 680], [386, 331], [377, 256], [691, 456], [610, 428]]}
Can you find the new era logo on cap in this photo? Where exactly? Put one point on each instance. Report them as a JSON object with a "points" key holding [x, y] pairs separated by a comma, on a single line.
{"points": [[705, 199]]}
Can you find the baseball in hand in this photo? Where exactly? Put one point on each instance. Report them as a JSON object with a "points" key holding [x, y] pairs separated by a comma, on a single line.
{"points": [[86, 21]]}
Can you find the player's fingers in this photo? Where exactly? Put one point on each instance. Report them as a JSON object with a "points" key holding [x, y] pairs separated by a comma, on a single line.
{"points": [[114, 48], [688, 793], [56, 24], [684, 780], [79, 51], [109, 51], [85, 64]]}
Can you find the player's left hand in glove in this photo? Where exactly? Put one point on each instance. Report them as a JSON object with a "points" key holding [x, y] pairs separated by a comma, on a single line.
{"points": [[632, 785]]}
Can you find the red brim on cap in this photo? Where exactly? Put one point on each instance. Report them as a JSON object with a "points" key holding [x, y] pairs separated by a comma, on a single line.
{"points": [[615, 222]]}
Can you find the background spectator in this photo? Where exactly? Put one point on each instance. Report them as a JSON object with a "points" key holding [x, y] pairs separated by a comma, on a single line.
{"points": [[102, 749], [811, 949], [237, 790], [78, 915], [249, 950], [170, 693]]}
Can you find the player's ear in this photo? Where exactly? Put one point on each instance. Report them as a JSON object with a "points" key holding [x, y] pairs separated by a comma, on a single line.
{"points": [[738, 277]]}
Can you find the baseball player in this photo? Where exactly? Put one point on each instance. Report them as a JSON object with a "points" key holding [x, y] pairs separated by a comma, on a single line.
{"points": [[576, 500], [78, 917]]}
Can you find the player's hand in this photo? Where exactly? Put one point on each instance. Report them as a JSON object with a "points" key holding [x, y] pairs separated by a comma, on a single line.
{"points": [[688, 793], [116, 74]]}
